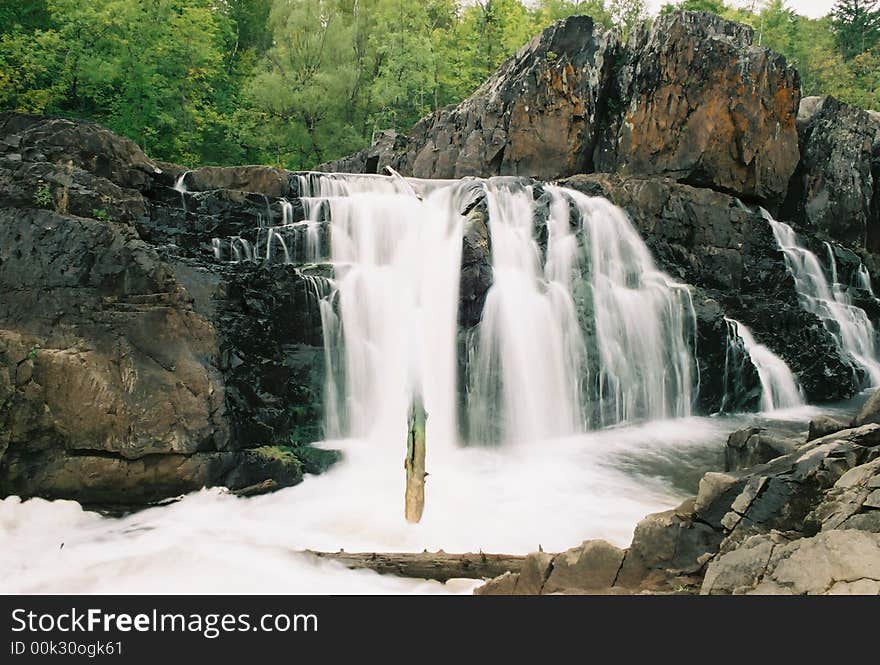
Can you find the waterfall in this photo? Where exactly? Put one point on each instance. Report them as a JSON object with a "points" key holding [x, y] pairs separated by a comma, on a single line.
{"points": [[779, 388], [849, 325], [645, 324], [531, 354], [180, 186], [396, 260], [579, 328], [536, 373], [286, 212]]}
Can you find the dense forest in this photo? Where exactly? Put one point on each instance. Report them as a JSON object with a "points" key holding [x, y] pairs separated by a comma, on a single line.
{"points": [[298, 82]]}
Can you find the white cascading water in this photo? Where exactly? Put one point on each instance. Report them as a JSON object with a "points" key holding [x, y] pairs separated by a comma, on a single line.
{"points": [[645, 324], [396, 251], [779, 387], [180, 186], [397, 261], [848, 324], [535, 374], [527, 372]]}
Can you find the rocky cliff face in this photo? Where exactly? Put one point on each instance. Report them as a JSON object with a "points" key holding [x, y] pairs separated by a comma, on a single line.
{"points": [[834, 189], [679, 100], [133, 367]]}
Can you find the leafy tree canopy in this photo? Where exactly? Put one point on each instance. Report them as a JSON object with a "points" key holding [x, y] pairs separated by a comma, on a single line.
{"points": [[297, 82]]}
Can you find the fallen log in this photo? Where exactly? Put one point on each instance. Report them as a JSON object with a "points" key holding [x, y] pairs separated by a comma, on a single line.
{"points": [[438, 566]]}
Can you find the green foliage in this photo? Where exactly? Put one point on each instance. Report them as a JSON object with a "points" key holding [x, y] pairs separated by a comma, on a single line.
{"points": [[43, 197], [856, 25], [100, 214], [714, 6], [32, 354], [834, 55], [299, 82]]}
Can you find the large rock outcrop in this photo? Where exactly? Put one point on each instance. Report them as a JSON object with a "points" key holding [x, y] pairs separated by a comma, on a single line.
{"points": [[538, 115], [702, 104], [834, 190], [133, 365], [689, 98]]}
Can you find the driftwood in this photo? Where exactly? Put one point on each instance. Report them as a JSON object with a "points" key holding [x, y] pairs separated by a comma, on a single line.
{"points": [[438, 566], [414, 463]]}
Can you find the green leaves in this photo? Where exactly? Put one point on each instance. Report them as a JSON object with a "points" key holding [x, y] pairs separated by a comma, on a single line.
{"points": [[299, 82]]}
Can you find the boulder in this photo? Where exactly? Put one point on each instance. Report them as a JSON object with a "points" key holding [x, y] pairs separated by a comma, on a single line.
{"points": [[534, 573], [833, 187], [668, 550], [260, 179], [741, 569], [536, 116], [591, 566], [503, 585], [78, 144], [752, 446], [830, 563], [701, 103], [870, 412], [824, 425]]}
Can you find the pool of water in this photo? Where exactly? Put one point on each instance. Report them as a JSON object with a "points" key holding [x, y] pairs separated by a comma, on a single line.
{"points": [[550, 494]]}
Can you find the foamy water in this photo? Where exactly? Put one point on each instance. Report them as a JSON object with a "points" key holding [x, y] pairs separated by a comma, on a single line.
{"points": [[511, 500]]}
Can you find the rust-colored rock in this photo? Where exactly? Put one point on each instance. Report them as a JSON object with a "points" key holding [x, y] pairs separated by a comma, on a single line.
{"points": [[701, 104], [536, 116], [691, 98]]}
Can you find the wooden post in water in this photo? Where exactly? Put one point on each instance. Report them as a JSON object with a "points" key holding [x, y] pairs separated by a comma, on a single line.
{"points": [[415, 461]]}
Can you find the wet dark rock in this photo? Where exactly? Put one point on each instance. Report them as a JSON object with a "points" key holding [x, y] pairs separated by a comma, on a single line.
{"points": [[727, 250], [833, 188], [476, 267], [133, 365], [752, 446], [79, 144], [384, 151]]}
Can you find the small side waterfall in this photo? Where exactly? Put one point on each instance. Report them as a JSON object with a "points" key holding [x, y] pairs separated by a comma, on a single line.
{"points": [[849, 325], [180, 186], [779, 388]]}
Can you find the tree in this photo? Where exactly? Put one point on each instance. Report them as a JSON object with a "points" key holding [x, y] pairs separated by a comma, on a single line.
{"points": [[856, 25], [714, 6], [627, 14], [548, 11]]}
